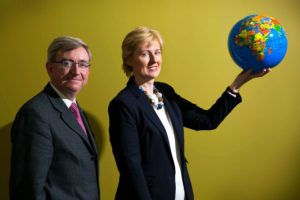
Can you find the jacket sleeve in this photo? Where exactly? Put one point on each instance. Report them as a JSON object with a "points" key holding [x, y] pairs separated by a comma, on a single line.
{"points": [[32, 153], [197, 118], [124, 139]]}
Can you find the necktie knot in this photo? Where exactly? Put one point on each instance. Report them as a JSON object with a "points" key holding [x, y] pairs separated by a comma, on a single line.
{"points": [[76, 113], [75, 110]]}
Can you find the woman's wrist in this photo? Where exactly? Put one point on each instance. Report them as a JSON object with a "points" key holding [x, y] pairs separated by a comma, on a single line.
{"points": [[232, 90]]}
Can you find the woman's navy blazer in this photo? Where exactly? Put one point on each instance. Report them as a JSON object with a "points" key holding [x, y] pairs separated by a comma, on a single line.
{"points": [[140, 144]]}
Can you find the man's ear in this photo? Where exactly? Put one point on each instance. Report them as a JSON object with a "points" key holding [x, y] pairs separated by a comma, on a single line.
{"points": [[49, 67]]}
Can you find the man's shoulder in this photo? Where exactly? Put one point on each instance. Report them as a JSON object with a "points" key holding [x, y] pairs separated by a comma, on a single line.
{"points": [[37, 102]]}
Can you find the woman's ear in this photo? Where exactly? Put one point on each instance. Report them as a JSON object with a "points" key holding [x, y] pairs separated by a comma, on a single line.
{"points": [[129, 61]]}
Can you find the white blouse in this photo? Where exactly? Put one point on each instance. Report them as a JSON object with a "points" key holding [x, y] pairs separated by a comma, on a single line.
{"points": [[166, 121]]}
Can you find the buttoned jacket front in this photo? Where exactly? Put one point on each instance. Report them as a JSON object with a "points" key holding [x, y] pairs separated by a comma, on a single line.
{"points": [[52, 158]]}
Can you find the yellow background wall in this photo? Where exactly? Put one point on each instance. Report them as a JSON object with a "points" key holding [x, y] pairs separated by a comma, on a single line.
{"points": [[253, 155]]}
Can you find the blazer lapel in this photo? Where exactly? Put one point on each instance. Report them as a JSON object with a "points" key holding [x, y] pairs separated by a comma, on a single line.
{"points": [[143, 102], [175, 122]]}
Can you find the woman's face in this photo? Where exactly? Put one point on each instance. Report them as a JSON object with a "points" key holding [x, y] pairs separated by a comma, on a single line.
{"points": [[146, 62]]}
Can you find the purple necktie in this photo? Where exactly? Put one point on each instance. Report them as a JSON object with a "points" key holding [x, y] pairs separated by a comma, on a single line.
{"points": [[76, 113]]}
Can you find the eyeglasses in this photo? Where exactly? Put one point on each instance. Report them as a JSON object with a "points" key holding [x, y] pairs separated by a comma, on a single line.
{"points": [[68, 64]]}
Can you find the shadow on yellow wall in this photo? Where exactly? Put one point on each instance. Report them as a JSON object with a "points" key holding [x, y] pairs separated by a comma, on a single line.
{"points": [[98, 131], [253, 156], [5, 151]]}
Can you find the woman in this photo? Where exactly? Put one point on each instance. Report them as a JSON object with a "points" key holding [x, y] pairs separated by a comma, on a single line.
{"points": [[147, 120]]}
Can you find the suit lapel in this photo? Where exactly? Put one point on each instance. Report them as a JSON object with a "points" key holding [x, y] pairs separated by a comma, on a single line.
{"points": [[66, 115], [88, 129]]}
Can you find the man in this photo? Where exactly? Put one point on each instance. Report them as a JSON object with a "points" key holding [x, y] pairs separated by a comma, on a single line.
{"points": [[54, 154]]}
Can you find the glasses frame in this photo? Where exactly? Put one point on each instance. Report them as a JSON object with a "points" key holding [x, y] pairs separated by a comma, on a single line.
{"points": [[69, 63]]}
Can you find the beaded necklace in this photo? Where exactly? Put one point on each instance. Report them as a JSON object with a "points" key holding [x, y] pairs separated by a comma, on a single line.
{"points": [[157, 103]]}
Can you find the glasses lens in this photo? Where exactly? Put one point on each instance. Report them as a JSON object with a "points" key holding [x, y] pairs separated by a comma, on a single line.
{"points": [[83, 65], [67, 63]]}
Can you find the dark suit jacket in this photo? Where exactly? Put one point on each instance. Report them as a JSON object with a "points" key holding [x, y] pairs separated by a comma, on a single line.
{"points": [[52, 158], [140, 143]]}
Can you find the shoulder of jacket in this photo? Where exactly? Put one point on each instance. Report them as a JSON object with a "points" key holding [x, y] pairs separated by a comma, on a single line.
{"points": [[125, 96], [35, 101], [164, 87]]}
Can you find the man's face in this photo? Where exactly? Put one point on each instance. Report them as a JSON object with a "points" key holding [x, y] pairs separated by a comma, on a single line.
{"points": [[69, 80]]}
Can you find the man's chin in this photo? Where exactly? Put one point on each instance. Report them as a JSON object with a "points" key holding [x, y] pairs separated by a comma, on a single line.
{"points": [[74, 88]]}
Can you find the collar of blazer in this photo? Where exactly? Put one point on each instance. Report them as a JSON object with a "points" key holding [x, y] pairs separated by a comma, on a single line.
{"points": [[172, 109], [68, 118]]}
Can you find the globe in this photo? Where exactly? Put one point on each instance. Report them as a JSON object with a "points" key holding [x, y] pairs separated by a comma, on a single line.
{"points": [[257, 42]]}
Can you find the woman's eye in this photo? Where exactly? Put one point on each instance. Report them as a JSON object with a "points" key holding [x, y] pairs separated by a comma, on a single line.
{"points": [[145, 54], [157, 52]]}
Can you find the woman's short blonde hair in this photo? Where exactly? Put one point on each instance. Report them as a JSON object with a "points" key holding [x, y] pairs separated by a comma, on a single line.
{"points": [[133, 39]]}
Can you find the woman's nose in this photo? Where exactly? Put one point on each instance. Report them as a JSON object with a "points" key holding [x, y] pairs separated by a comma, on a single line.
{"points": [[152, 57]]}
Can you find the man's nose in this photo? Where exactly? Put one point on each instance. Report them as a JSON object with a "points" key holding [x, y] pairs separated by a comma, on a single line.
{"points": [[75, 68]]}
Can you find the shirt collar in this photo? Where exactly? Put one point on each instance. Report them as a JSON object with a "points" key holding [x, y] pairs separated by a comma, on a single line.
{"points": [[67, 101]]}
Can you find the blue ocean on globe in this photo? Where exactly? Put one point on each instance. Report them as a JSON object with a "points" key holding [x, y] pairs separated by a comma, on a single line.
{"points": [[257, 42]]}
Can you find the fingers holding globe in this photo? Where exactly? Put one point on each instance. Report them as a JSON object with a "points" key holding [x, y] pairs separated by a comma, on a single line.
{"points": [[257, 42]]}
